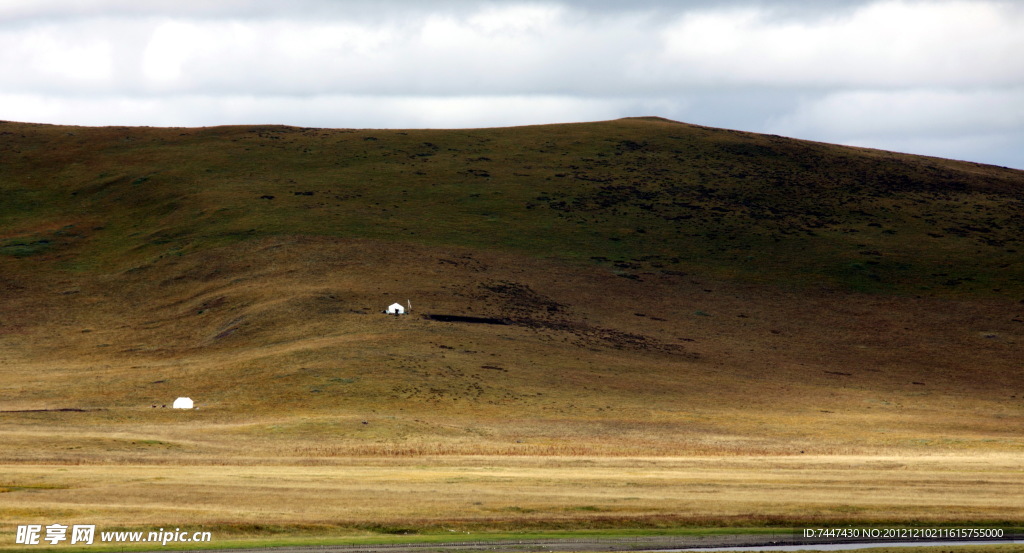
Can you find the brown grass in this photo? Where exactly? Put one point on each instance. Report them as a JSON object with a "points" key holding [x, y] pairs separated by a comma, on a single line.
{"points": [[292, 357], [500, 493], [804, 410]]}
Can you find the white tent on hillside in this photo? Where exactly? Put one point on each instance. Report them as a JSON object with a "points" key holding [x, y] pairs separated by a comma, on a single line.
{"points": [[395, 309], [182, 403]]}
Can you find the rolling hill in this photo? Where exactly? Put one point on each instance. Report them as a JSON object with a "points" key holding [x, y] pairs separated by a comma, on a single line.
{"points": [[639, 286]]}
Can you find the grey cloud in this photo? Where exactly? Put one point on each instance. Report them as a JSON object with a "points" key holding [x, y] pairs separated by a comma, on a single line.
{"points": [[20, 10]]}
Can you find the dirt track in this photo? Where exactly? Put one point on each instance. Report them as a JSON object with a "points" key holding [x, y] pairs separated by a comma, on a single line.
{"points": [[639, 543]]}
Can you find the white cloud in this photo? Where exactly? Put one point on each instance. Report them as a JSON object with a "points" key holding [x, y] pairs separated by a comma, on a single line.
{"points": [[13, 10], [513, 48], [501, 49], [343, 111], [45, 56], [168, 49], [862, 114], [882, 44], [964, 124]]}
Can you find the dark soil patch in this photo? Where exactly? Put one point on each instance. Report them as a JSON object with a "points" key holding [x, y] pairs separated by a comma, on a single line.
{"points": [[466, 319]]}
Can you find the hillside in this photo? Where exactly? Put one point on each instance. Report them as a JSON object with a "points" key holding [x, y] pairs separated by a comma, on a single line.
{"points": [[634, 195], [642, 287]]}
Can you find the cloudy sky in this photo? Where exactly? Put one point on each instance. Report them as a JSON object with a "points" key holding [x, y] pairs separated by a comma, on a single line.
{"points": [[936, 77]]}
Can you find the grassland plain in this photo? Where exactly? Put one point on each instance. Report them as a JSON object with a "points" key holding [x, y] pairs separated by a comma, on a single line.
{"points": [[675, 326]]}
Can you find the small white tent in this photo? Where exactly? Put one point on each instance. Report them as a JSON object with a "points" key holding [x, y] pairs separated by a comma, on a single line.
{"points": [[395, 309], [182, 403]]}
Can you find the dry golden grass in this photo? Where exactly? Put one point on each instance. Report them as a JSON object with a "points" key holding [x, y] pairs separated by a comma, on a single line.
{"points": [[780, 396], [501, 493], [290, 357]]}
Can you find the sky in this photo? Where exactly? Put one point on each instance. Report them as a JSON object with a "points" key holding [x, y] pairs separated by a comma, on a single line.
{"points": [[933, 77]]}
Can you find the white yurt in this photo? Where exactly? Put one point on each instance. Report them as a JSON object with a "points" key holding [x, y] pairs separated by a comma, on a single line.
{"points": [[395, 309], [182, 403]]}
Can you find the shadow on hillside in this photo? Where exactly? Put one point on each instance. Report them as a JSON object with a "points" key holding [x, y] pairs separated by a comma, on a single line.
{"points": [[466, 319]]}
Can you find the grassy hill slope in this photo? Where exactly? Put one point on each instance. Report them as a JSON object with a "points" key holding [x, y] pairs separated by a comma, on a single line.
{"points": [[662, 288], [635, 194]]}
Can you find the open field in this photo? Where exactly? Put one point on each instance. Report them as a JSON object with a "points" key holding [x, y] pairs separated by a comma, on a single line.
{"points": [[349, 496], [635, 324], [291, 357]]}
